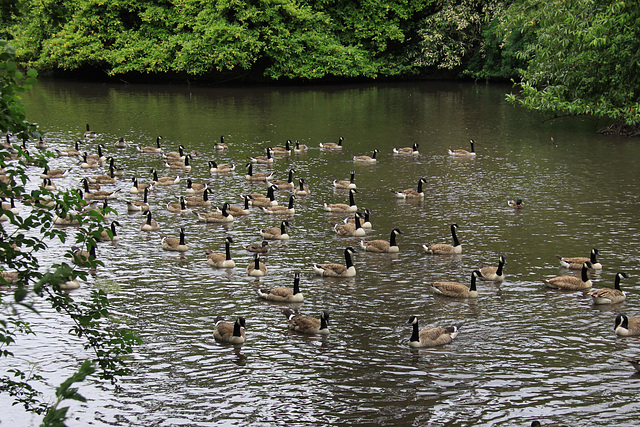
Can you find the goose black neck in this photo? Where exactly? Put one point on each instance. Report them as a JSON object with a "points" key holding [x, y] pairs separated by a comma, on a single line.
{"points": [[616, 284], [246, 202], [113, 230], [227, 250], [357, 222], [473, 283], [183, 204], [146, 195], [352, 199], [347, 258], [392, 239], [593, 257], [283, 230], [415, 333], [291, 199], [585, 276], [499, 270], [237, 332], [301, 185], [256, 263], [250, 170], [472, 150], [353, 177], [323, 323], [456, 242], [296, 285], [224, 210], [420, 186], [374, 154], [271, 193], [290, 181], [182, 238]]}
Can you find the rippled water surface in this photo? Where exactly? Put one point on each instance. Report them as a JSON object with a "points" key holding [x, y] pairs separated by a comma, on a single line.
{"points": [[523, 353]]}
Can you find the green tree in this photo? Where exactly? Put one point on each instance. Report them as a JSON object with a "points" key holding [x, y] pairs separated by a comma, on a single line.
{"points": [[21, 275]]}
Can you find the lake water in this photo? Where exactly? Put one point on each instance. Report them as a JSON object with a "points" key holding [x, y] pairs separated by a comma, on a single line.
{"points": [[524, 352]]}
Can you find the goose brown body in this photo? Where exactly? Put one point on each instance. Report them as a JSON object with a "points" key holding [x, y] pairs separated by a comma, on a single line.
{"points": [[431, 336], [571, 283], [335, 269], [307, 325], [455, 289], [382, 246], [282, 293], [575, 263], [228, 332], [443, 248], [610, 295], [221, 260], [494, 274]]}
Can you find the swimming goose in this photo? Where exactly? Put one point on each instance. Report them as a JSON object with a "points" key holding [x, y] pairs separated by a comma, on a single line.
{"points": [[104, 179], [455, 289], [110, 235], [410, 193], [257, 268], [431, 336], [11, 277], [575, 263], [263, 160], [121, 143], [88, 163], [464, 153], [138, 188], [280, 151], [413, 150], [232, 333], [307, 325], [627, 326], [443, 248], [366, 223], [198, 200], [275, 233], [139, 206], [609, 295], [281, 210], [180, 207], [215, 168], [69, 284], [179, 164], [195, 188], [89, 133], [54, 173], [282, 293], [284, 185], [237, 210], [258, 248], [221, 145], [257, 177], [116, 170], [334, 269], [48, 185], [218, 217], [220, 260], [348, 229], [70, 152], [300, 148], [164, 180], [303, 189], [175, 243], [149, 224], [100, 157], [346, 183], [571, 283], [494, 274], [152, 150], [173, 156], [515, 204], [382, 246], [10, 206], [83, 257], [99, 194], [332, 145], [343, 207], [259, 200], [367, 159]]}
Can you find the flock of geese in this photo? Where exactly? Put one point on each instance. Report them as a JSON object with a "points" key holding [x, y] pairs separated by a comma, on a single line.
{"points": [[356, 223]]}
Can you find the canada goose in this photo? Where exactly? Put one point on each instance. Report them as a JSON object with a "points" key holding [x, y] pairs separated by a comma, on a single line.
{"points": [[179, 164], [218, 217], [348, 229], [11, 277], [307, 325], [258, 248], [382, 246], [281, 210], [89, 133], [149, 224], [575, 263], [275, 233], [627, 326], [195, 188], [366, 222], [54, 173], [48, 185], [493, 274], [263, 160], [83, 257], [220, 260], [10, 206], [256, 177], [69, 284], [237, 210], [346, 183], [443, 248], [285, 185], [98, 194], [138, 188], [609, 295], [300, 148], [232, 333], [152, 150], [173, 156], [180, 207], [413, 150], [88, 163], [515, 204], [70, 152], [220, 146], [280, 151], [164, 180], [104, 179], [67, 219], [411, 193], [336, 270], [455, 289], [105, 236], [332, 145], [431, 336], [121, 143], [260, 200], [198, 200], [303, 189], [282, 293], [139, 206], [367, 159], [116, 170], [571, 283], [100, 157], [343, 207], [215, 168], [257, 268], [464, 153], [175, 243]]}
